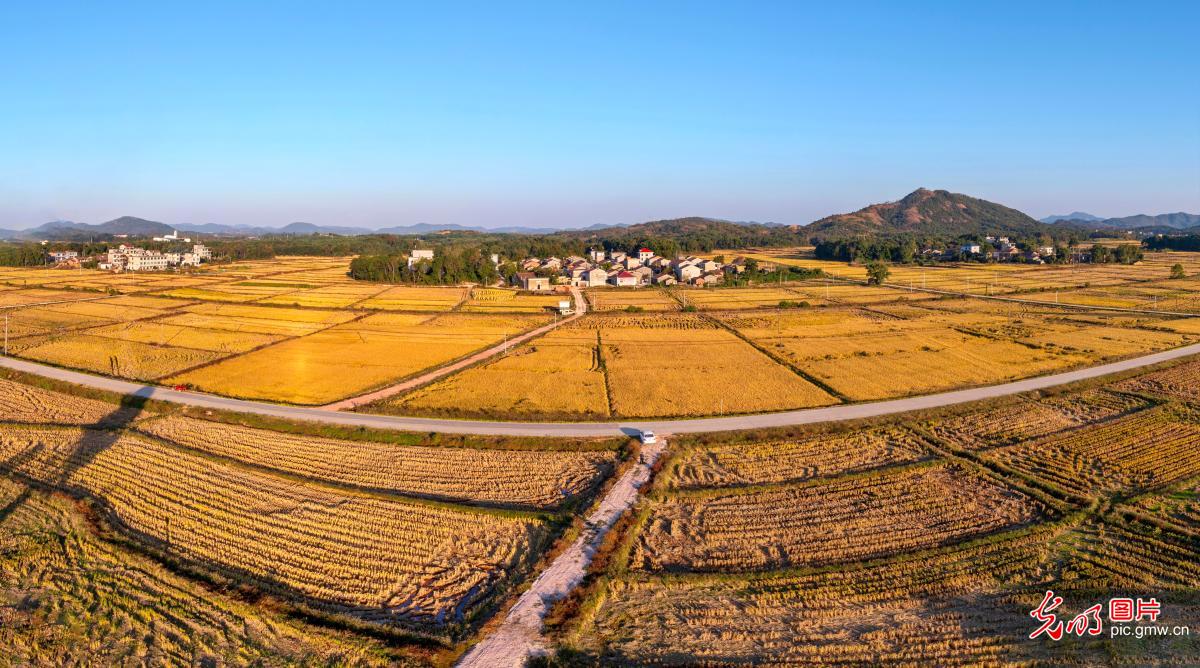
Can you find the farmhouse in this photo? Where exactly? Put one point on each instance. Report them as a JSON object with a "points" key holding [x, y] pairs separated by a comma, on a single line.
{"points": [[624, 279], [529, 281]]}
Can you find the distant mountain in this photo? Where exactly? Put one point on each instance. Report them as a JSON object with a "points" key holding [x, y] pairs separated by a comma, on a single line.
{"points": [[72, 231], [928, 212], [1178, 220], [1074, 215]]}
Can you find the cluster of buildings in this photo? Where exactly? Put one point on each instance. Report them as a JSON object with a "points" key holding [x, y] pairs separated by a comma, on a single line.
{"points": [[132, 258], [1002, 250], [620, 269]]}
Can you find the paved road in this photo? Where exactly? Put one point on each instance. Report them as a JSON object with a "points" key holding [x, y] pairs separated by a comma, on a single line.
{"points": [[567, 429], [521, 632], [352, 402]]}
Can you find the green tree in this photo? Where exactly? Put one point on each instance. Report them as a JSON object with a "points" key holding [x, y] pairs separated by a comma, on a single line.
{"points": [[877, 273], [1177, 271]]}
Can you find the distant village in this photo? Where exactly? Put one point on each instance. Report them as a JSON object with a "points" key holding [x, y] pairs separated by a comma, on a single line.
{"points": [[133, 258], [620, 269]]}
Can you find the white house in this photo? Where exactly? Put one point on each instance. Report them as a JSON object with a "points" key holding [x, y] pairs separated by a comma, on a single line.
{"points": [[686, 272], [624, 279], [595, 277], [644, 254], [418, 255]]}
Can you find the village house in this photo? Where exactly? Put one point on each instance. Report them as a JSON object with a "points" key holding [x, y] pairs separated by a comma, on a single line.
{"points": [[624, 279], [529, 281], [597, 255], [644, 254], [687, 272]]}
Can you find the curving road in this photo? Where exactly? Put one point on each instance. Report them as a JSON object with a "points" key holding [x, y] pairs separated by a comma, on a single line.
{"points": [[587, 429]]}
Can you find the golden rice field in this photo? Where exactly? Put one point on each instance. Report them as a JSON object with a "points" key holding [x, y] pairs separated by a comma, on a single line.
{"points": [[116, 357], [535, 478], [558, 374], [354, 357], [300, 330], [378, 559], [745, 298], [619, 299], [404, 298], [503, 300]]}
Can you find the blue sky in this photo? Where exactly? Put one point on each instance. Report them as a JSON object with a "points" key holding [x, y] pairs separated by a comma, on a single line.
{"points": [[570, 114]]}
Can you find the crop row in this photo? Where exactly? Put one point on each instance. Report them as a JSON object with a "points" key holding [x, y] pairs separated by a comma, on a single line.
{"points": [[1141, 451], [843, 520], [518, 477], [795, 460], [383, 560]]}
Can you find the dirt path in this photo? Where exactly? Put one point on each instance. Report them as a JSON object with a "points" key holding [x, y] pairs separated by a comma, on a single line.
{"points": [[423, 379], [520, 635]]}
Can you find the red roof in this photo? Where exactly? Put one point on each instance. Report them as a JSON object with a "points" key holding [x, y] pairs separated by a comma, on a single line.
{"points": [[645, 250], [624, 274]]}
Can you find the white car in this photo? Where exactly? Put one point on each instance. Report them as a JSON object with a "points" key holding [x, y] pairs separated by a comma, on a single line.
{"points": [[648, 438]]}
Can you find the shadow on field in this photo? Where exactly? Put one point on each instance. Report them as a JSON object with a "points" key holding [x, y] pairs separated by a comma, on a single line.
{"points": [[97, 437]]}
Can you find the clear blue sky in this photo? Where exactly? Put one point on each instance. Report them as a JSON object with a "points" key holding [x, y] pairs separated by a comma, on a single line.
{"points": [[564, 113]]}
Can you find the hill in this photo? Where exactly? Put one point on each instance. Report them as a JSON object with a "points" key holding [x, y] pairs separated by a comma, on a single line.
{"points": [[71, 231], [1079, 216], [928, 212], [692, 233]]}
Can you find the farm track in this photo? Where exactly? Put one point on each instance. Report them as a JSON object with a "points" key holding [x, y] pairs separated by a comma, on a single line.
{"points": [[470, 360], [596, 429], [520, 635]]}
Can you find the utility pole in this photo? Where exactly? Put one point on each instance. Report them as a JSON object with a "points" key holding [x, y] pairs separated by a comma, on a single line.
{"points": [[6, 333]]}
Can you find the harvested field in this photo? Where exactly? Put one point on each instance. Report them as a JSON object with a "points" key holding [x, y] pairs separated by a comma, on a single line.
{"points": [[72, 599], [1145, 450], [376, 559], [832, 522], [539, 478], [619, 299], [25, 403], [950, 608], [1181, 381], [793, 461], [1033, 418]]}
